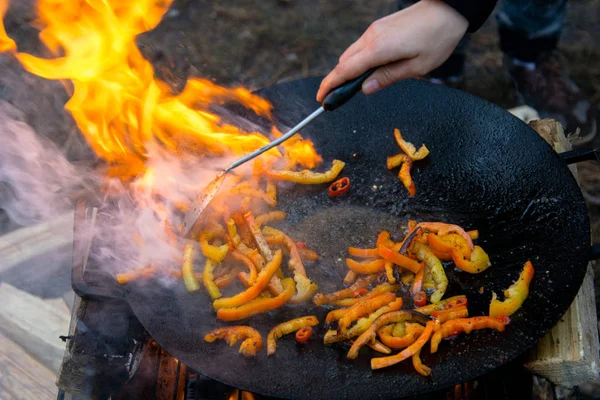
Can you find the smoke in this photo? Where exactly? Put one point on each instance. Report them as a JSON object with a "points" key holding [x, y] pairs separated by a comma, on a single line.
{"points": [[36, 179]]}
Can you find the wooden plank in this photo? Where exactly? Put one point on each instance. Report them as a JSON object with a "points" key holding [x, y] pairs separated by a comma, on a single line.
{"points": [[23, 244], [21, 376], [34, 325], [569, 354]]}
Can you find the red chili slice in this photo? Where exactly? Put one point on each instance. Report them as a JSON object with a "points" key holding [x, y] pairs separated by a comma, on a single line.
{"points": [[420, 299], [360, 292], [301, 245], [303, 334], [339, 187]]}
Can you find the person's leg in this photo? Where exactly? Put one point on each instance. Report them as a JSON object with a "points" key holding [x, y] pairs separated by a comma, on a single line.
{"points": [[450, 73], [529, 34]]}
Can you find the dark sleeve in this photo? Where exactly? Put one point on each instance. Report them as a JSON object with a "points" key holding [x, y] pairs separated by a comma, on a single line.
{"points": [[475, 11]]}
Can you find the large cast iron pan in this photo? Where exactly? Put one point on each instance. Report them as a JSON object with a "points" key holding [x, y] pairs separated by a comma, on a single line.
{"points": [[487, 170]]}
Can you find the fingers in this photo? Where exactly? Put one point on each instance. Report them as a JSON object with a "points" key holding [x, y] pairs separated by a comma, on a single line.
{"points": [[392, 73], [343, 72], [353, 49]]}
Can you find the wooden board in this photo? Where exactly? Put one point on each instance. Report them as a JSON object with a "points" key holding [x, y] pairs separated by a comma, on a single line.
{"points": [[569, 354], [23, 377], [34, 324]]}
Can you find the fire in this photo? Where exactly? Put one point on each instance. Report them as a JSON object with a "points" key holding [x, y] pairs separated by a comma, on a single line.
{"points": [[121, 108]]}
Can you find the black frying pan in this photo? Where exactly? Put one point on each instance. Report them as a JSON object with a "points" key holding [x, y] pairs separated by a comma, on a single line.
{"points": [[487, 170]]}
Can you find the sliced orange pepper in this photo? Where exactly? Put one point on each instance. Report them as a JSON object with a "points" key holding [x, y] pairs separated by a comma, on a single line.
{"points": [[410, 148], [335, 315], [143, 272], [418, 282], [515, 294], [376, 291], [389, 272], [383, 362], [405, 177], [215, 253], [418, 364], [363, 253], [363, 308], [260, 305], [379, 347], [452, 313], [366, 267], [466, 325], [263, 279], [362, 324], [448, 244], [251, 267], [444, 229], [371, 332], [231, 334], [350, 278], [479, 261], [226, 279], [413, 331], [398, 259], [362, 282]]}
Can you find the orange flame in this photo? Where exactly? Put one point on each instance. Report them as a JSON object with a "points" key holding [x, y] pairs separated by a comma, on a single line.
{"points": [[117, 103]]}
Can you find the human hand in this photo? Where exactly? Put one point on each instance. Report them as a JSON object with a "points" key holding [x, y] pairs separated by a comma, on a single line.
{"points": [[407, 44]]}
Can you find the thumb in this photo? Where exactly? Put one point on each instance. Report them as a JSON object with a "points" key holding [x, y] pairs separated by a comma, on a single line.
{"points": [[391, 73]]}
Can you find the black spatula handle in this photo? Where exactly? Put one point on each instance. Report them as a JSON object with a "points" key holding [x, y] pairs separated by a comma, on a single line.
{"points": [[341, 94]]}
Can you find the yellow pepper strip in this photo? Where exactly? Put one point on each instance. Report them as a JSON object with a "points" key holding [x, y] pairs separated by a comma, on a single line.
{"points": [[286, 328], [247, 190], [389, 272], [367, 266], [263, 279], [450, 302], [399, 329], [208, 276], [410, 148], [320, 299], [273, 216], [436, 269], [479, 261], [395, 161], [231, 334], [376, 291], [371, 332], [515, 295], [382, 362], [363, 308], [143, 272], [308, 177], [466, 325], [272, 190], [260, 305], [187, 269], [474, 234], [215, 253], [418, 364], [379, 347], [260, 240], [275, 286], [362, 324], [350, 278]]}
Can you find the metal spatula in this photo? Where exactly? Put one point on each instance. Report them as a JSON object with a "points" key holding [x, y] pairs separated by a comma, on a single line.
{"points": [[334, 99]]}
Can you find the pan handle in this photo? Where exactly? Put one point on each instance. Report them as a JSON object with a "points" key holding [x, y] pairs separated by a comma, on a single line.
{"points": [[579, 155]]}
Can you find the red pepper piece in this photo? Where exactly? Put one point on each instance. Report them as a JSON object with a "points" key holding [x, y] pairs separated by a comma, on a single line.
{"points": [[303, 334], [339, 187]]}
